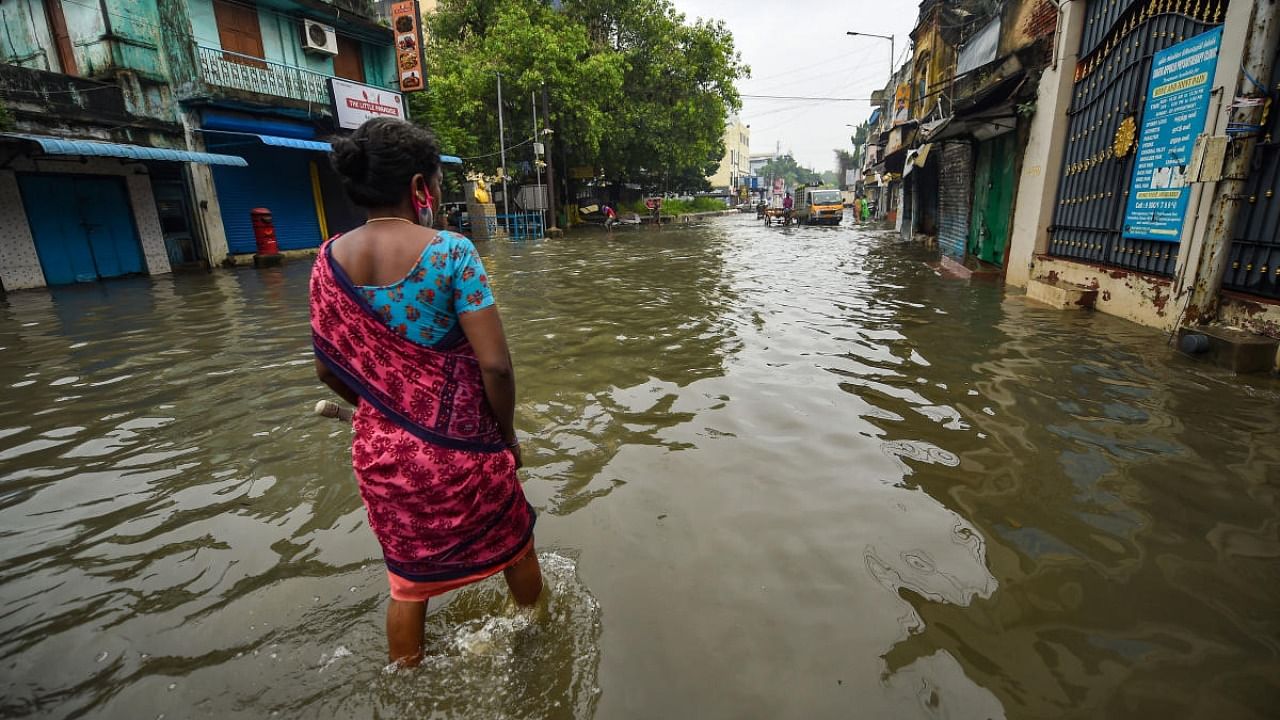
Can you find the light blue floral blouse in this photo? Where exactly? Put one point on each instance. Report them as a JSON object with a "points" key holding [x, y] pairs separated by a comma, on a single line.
{"points": [[447, 281]]}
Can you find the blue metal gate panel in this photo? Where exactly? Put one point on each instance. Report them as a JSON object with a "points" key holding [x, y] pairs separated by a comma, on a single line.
{"points": [[82, 226], [1110, 86], [277, 179]]}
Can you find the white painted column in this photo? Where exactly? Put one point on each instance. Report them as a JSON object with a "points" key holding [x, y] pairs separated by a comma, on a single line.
{"points": [[19, 263], [147, 219], [1046, 144], [204, 197]]}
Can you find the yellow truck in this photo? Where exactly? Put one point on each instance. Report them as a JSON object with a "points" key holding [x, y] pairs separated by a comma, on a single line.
{"points": [[818, 206]]}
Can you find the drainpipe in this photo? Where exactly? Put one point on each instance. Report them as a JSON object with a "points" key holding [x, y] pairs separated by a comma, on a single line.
{"points": [[1061, 5], [106, 19], [1260, 47]]}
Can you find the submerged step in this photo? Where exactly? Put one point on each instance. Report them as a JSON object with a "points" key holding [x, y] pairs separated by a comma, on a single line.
{"points": [[1062, 295], [1230, 348]]}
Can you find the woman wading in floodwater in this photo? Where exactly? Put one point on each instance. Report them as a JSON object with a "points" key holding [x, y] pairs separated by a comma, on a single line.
{"points": [[405, 327]]}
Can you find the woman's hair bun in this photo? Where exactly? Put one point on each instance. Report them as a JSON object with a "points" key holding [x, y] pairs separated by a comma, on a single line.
{"points": [[380, 159], [349, 158]]}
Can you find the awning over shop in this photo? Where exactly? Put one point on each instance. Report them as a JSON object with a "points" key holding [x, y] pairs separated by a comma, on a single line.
{"points": [[901, 138], [295, 143], [916, 158], [981, 126], [310, 145], [51, 145]]}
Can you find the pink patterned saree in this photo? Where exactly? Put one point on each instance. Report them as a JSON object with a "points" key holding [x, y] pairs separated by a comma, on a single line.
{"points": [[438, 483]]}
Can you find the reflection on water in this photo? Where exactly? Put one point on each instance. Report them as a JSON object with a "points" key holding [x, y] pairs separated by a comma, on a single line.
{"points": [[780, 473]]}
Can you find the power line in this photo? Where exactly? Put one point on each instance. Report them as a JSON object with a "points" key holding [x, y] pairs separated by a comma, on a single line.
{"points": [[805, 98], [509, 149]]}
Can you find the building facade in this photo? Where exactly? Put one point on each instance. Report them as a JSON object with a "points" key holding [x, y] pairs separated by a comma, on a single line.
{"points": [[736, 164], [138, 135], [1215, 259], [1116, 152]]}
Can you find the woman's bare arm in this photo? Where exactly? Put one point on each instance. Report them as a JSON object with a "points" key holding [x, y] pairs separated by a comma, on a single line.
{"points": [[328, 378], [483, 329]]}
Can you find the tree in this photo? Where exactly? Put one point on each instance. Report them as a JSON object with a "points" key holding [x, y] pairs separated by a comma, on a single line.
{"points": [[635, 90], [471, 41], [845, 161], [668, 130], [786, 167]]}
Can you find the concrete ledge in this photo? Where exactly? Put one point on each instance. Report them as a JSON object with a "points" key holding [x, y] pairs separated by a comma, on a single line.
{"points": [[245, 260], [1062, 295], [1135, 296], [1233, 349]]}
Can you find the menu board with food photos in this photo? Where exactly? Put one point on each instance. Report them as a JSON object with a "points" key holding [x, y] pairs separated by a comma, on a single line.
{"points": [[406, 21]]}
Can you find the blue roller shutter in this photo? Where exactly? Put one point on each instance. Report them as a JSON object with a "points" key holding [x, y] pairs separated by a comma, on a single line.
{"points": [[278, 179]]}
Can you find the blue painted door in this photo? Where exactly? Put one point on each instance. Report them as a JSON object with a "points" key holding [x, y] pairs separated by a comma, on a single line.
{"points": [[82, 226]]}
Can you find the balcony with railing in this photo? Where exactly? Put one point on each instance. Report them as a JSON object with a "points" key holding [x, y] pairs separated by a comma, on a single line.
{"points": [[224, 69]]}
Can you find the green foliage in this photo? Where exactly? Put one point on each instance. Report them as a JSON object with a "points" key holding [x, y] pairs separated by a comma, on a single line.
{"points": [[635, 90], [845, 161], [786, 167]]}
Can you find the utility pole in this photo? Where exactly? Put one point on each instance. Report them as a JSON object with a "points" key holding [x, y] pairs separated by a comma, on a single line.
{"points": [[533, 100], [892, 46], [551, 169], [502, 145]]}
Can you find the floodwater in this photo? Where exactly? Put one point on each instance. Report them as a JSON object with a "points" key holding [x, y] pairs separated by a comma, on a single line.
{"points": [[781, 473]]}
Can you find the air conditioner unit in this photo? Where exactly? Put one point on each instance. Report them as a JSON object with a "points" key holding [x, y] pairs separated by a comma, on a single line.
{"points": [[319, 38]]}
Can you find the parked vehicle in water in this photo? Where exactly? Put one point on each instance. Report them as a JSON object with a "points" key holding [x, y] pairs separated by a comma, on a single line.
{"points": [[819, 206]]}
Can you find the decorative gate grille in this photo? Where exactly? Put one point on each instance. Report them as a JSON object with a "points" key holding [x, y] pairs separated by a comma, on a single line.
{"points": [[1254, 264], [1120, 38]]}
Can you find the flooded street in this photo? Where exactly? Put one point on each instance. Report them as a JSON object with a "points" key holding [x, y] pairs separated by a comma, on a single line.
{"points": [[781, 473]]}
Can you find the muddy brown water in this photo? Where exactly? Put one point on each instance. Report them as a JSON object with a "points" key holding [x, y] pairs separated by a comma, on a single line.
{"points": [[782, 473]]}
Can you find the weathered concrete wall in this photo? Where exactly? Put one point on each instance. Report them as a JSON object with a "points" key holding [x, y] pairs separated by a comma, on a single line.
{"points": [[1042, 158], [204, 196], [1144, 299], [178, 29], [282, 43], [1250, 313], [1026, 21]]}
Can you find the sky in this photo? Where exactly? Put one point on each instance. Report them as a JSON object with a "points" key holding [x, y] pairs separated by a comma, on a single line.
{"points": [[800, 49]]}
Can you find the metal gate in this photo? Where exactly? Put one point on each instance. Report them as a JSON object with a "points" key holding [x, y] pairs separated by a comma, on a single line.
{"points": [[1119, 41], [1254, 263]]}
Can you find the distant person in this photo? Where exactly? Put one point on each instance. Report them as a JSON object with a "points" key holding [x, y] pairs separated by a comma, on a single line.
{"points": [[610, 217], [655, 211], [398, 312], [857, 209], [787, 204]]}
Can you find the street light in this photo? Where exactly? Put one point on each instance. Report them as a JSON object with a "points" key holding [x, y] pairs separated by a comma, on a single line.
{"points": [[891, 40]]}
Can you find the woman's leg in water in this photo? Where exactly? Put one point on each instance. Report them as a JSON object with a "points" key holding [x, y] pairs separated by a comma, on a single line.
{"points": [[405, 624], [525, 579]]}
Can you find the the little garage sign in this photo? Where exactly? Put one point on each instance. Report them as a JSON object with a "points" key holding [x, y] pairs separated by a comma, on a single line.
{"points": [[354, 103]]}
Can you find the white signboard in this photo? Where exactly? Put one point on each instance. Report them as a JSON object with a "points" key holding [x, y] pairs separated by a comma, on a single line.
{"points": [[353, 103]]}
